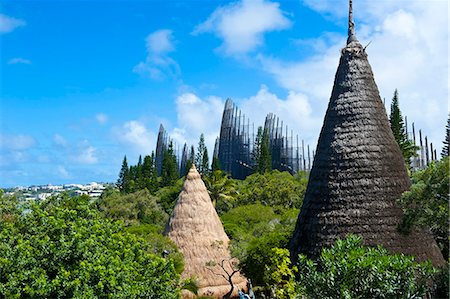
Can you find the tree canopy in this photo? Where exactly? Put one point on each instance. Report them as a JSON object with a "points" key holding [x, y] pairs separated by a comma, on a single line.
{"points": [[426, 205], [407, 147], [63, 248], [350, 270]]}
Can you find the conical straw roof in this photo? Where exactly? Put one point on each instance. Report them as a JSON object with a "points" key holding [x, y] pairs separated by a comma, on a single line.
{"points": [[196, 229], [358, 171]]}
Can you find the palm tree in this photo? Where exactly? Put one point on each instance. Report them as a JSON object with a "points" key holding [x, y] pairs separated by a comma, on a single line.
{"points": [[221, 189]]}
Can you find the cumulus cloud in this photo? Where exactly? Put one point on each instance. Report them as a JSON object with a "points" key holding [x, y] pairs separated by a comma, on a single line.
{"points": [[158, 64], [9, 24], [135, 135], [19, 60], [242, 25], [196, 115], [408, 51], [85, 153], [295, 111], [101, 118]]}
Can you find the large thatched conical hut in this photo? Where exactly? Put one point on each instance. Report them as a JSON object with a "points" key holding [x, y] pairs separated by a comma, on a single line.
{"points": [[196, 229], [358, 171]]}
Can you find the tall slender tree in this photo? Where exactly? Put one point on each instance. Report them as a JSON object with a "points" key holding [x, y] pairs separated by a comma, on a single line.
{"points": [[256, 154], [190, 160], [149, 174], [124, 177], [201, 158], [265, 158], [215, 165], [169, 171], [205, 162], [445, 149], [139, 176], [407, 147]]}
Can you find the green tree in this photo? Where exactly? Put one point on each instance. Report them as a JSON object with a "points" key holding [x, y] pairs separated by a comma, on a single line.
{"points": [[135, 208], [407, 147], [221, 189], [280, 274], [169, 171], [139, 175], [445, 150], [426, 205], [123, 183], [201, 158], [281, 190], [205, 162], [350, 270], [150, 177], [190, 160], [261, 151], [168, 195], [63, 248], [215, 165], [254, 231]]}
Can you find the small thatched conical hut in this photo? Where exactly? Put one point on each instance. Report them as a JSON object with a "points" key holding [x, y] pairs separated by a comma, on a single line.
{"points": [[196, 229], [358, 171]]}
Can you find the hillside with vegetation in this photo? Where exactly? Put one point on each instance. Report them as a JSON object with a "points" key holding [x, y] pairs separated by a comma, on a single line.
{"points": [[114, 244]]}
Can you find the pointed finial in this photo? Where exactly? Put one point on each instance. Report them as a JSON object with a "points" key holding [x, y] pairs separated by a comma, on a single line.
{"points": [[351, 24]]}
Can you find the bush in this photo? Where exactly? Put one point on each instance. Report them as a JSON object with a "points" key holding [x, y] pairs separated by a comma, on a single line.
{"points": [[350, 270], [64, 248], [279, 190], [426, 204]]}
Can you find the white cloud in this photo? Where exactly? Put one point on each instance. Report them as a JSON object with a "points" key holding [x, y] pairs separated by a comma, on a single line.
{"points": [[16, 142], [86, 154], [9, 24], [196, 115], [158, 64], [408, 51], [160, 42], [135, 135], [62, 172], [295, 111], [59, 140], [242, 24], [19, 60], [101, 118]]}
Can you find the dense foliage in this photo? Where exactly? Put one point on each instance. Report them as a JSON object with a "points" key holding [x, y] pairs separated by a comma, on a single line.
{"points": [[221, 189], [350, 270], [169, 169], [144, 216], [407, 147], [64, 248], [139, 207], [279, 190], [427, 203], [137, 177]]}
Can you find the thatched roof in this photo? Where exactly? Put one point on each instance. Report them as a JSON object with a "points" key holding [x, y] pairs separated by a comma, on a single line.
{"points": [[358, 171], [196, 229]]}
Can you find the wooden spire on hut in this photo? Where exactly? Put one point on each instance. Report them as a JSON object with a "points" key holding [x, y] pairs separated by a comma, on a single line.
{"points": [[358, 171], [196, 229]]}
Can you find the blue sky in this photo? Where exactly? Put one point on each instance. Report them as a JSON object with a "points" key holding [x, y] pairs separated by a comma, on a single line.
{"points": [[84, 83]]}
